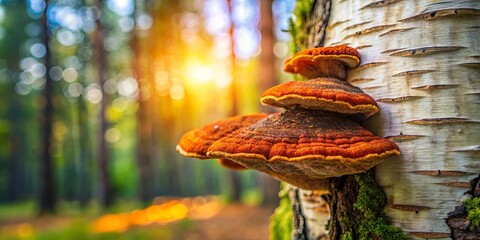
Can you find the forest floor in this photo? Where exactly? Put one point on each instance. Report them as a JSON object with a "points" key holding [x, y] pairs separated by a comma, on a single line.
{"points": [[232, 222]]}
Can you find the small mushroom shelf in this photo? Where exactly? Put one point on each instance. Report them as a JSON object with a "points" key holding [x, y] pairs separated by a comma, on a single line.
{"points": [[315, 138]]}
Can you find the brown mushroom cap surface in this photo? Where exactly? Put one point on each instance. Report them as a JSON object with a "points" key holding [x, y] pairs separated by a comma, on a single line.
{"points": [[327, 94], [301, 146], [196, 142], [323, 62]]}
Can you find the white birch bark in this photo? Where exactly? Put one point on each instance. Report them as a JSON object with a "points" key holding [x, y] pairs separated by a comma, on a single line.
{"points": [[421, 62]]}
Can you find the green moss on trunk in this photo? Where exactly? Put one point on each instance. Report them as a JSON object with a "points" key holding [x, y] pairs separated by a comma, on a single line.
{"points": [[357, 207], [281, 221], [472, 207], [370, 202]]}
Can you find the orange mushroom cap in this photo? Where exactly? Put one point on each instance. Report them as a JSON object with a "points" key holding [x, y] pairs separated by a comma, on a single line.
{"points": [[323, 62], [301, 146], [196, 142], [327, 94]]}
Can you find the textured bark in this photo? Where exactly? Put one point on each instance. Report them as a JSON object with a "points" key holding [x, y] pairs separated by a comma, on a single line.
{"points": [[461, 227], [312, 208], [343, 193], [420, 62], [310, 214], [300, 228]]}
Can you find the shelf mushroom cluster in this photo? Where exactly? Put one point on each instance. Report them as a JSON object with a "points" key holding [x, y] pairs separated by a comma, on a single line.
{"points": [[315, 138]]}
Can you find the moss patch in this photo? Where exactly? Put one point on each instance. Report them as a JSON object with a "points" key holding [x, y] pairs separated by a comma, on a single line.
{"points": [[281, 221], [297, 24], [357, 209], [464, 221], [370, 202], [472, 207]]}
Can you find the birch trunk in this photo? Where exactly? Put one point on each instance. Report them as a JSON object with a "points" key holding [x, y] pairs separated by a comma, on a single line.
{"points": [[420, 61]]}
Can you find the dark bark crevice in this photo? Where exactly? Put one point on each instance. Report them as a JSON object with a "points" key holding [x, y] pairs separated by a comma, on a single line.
{"points": [[343, 193], [300, 229], [356, 205], [317, 23], [460, 225]]}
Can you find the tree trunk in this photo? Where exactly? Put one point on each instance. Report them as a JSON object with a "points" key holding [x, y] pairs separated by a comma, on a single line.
{"points": [[105, 188], [144, 120], [420, 62], [235, 184], [83, 153], [46, 182], [15, 181], [268, 78]]}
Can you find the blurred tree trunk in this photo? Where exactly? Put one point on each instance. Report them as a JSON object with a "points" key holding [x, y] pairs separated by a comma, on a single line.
{"points": [[84, 153], [47, 198], [235, 184], [105, 188], [17, 115], [420, 62], [146, 190], [84, 139], [15, 182], [268, 78]]}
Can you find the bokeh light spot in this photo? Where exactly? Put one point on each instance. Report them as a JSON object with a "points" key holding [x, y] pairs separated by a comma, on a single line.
{"points": [[93, 94], [144, 22], [128, 87], [70, 74], [177, 92], [113, 135], [38, 50], [75, 89], [55, 73]]}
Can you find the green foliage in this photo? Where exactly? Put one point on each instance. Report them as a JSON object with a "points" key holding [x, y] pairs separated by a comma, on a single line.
{"points": [[281, 220], [370, 202], [17, 209], [346, 236], [293, 30], [472, 207], [297, 24]]}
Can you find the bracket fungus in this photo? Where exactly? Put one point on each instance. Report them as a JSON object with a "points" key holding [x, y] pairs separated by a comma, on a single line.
{"points": [[196, 142], [314, 139], [327, 94], [306, 145], [323, 62]]}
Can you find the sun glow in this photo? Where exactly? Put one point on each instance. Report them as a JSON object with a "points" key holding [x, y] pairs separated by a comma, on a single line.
{"points": [[161, 213], [198, 73]]}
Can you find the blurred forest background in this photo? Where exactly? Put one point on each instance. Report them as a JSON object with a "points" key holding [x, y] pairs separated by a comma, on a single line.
{"points": [[94, 96]]}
